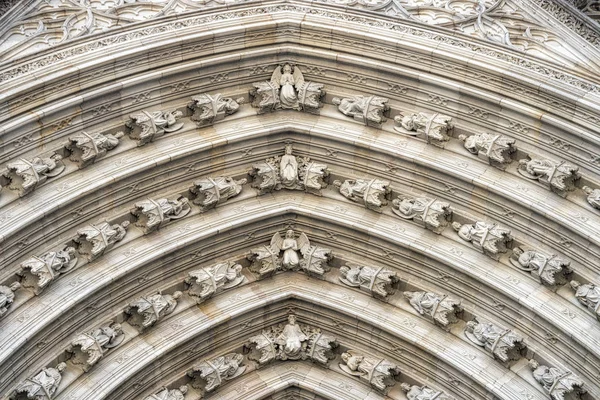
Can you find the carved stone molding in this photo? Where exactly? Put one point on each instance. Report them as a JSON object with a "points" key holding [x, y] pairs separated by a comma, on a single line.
{"points": [[559, 384], [7, 296], [558, 177], [372, 193], [208, 375], [147, 310], [95, 239], [550, 270], [377, 281], [25, 176], [41, 386], [205, 282], [430, 213], [208, 109], [414, 392], [593, 196], [210, 192], [368, 110], [489, 239], [88, 348], [496, 150], [435, 129], [37, 272], [588, 294], [504, 344], [146, 126], [169, 394], [87, 148], [153, 214], [381, 374], [440, 309]]}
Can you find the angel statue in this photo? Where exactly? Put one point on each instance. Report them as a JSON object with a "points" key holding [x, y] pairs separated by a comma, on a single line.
{"points": [[504, 344], [166, 394], [153, 214], [559, 177], [380, 373], [147, 126], [147, 310], [87, 148], [287, 90], [210, 374], [557, 383], [435, 128], [549, 270], [25, 175], [37, 272], [7, 296], [88, 348], [414, 392], [43, 385]]}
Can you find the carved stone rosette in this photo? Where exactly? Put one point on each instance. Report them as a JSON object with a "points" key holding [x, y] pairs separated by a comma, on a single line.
{"points": [[549, 270], [87, 148], [593, 196], [7, 296], [42, 386], [153, 214], [558, 177], [210, 374], [209, 109], [377, 281], [210, 192], [204, 283], [372, 193], [441, 309], [368, 110], [414, 392], [172, 394], [146, 126], [38, 272], [381, 374], [486, 238], [95, 239], [588, 294], [504, 344], [148, 310], [88, 348], [25, 176], [430, 213], [557, 383], [433, 128]]}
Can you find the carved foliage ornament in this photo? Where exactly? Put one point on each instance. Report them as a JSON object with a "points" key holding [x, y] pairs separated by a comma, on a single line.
{"points": [[209, 109], [153, 214], [166, 394], [148, 310], [549, 270], [486, 238], [372, 193], [497, 150], [430, 213], [26, 175], [369, 110], [414, 392], [588, 294], [205, 282], [146, 126], [504, 344], [380, 373], [378, 281], [88, 348], [558, 177], [42, 386], [87, 148], [212, 191], [7, 296], [95, 239], [557, 383], [434, 128], [210, 374], [38, 272], [593, 196], [439, 308]]}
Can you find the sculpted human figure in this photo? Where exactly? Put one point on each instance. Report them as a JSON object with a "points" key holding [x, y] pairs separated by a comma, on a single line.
{"points": [[430, 213], [95, 239], [504, 344], [497, 150], [367, 109], [593, 196], [146, 126], [213, 191], [88, 348], [87, 148], [148, 310], [288, 169], [372, 193], [377, 281], [291, 340], [37, 272], [414, 392], [559, 177], [549, 270], [25, 175], [7, 296], [439, 308], [434, 128], [210, 374], [588, 294], [380, 373], [43, 385], [166, 394], [557, 383], [209, 109], [207, 281], [152, 214], [487, 238]]}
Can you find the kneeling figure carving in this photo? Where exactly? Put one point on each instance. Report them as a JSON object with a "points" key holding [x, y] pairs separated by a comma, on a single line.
{"points": [[504, 344], [439, 308]]}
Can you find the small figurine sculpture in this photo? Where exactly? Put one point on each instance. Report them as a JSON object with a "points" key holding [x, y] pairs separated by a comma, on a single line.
{"points": [[504, 344], [298, 254], [87, 148], [37, 272], [559, 177], [88, 348], [589, 295], [287, 90], [210, 374], [147, 126], [43, 385], [153, 214], [377, 281], [548, 270], [147, 310], [497, 150], [430, 213], [212, 191], [593, 196], [25, 175], [557, 383], [368, 110], [440, 309], [207, 281], [380, 373], [95, 240], [486, 238], [291, 342], [373, 193], [414, 392], [434, 128], [166, 394], [7, 296], [209, 109], [289, 172]]}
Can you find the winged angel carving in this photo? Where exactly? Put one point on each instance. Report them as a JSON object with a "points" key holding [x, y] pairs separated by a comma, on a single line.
{"points": [[287, 90], [298, 254]]}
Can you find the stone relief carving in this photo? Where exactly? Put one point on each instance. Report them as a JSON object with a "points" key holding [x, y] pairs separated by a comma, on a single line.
{"points": [[287, 90], [380, 373], [148, 310], [7, 296], [38, 272], [557, 383], [549, 270], [95, 239], [369, 110], [212, 191], [210, 374], [593, 196], [87, 148], [497, 150], [292, 342], [430, 213], [378, 281], [298, 254], [205, 282], [414, 392], [486, 238], [153, 214], [372, 193], [588, 294], [88, 348], [209, 109], [504, 344], [41, 386], [146, 126], [289, 172], [433, 128], [439, 308], [25, 175], [166, 394], [558, 177]]}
